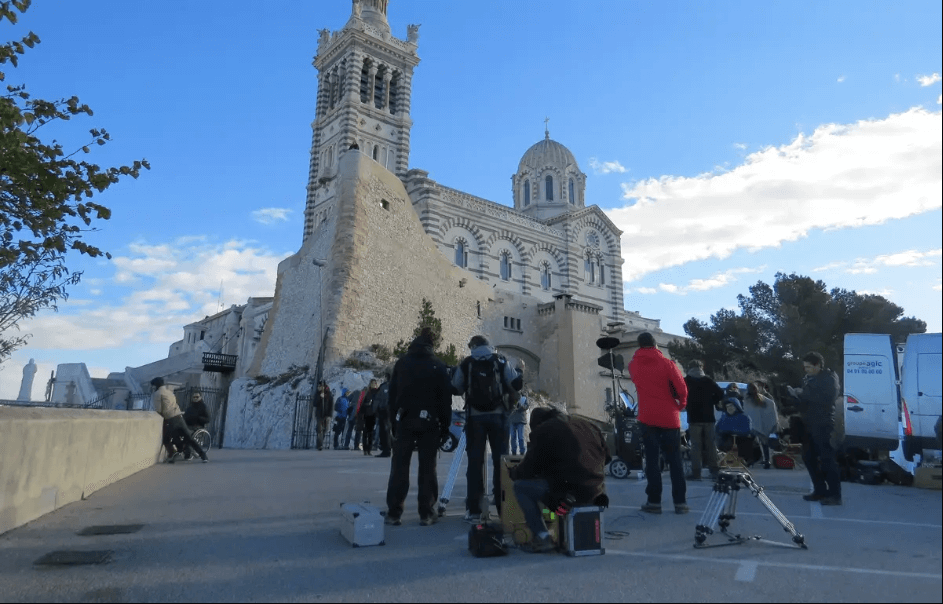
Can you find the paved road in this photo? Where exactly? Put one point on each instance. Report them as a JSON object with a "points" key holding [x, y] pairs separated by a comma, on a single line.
{"points": [[263, 525]]}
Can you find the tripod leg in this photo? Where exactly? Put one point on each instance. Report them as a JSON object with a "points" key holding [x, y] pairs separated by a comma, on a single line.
{"points": [[453, 473], [758, 492], [708, 522]]}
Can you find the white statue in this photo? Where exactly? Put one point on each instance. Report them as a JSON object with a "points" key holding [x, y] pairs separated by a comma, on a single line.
{"points": [[357, 8], [26, 386], [324, 36]]}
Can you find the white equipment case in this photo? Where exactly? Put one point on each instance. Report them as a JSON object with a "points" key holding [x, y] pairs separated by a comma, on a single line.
{"points": [[362, 524]]}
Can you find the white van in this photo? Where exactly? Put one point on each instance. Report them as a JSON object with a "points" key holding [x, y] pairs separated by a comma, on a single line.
{"points": [[872, 402], [921, 389]]}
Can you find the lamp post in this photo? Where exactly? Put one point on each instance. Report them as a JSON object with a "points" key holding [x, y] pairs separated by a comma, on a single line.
{"points": [[320, 264]]}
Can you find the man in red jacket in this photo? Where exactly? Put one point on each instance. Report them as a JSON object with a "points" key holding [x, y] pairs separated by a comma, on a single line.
{"points": [[662, 395]]}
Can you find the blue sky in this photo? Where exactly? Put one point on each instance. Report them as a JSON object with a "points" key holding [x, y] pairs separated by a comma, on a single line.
{"points": [[728, 140]]}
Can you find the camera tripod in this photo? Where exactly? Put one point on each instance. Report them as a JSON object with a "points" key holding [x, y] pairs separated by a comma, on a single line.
{"points": [[722, 507]]}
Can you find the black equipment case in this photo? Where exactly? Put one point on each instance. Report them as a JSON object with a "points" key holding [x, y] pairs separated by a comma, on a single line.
{"points": [[582, 531]]}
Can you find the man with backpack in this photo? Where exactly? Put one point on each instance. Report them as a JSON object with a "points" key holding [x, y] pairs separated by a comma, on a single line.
{"points": [[491, 388]]}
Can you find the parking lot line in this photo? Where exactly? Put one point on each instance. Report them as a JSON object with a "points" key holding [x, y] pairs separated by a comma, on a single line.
{"points": [[781, 565], [791, 516]]}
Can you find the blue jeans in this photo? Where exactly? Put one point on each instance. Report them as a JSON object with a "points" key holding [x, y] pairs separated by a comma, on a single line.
{"points": [[492, 429], [517, 438], [530, 496], [668, 442]]}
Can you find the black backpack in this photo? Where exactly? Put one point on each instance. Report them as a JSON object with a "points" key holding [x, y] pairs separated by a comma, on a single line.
{"points": [[484, 391]]}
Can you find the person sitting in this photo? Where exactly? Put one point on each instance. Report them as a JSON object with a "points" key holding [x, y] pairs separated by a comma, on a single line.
{"points": [[565, 461], [196, 416], [734, 426]]}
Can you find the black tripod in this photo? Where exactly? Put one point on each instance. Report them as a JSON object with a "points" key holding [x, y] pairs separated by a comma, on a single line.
{"points": [[722, 507]]}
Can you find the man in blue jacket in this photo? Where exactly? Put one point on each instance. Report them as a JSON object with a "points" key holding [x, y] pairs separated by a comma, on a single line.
{"points": [[340, 417]]}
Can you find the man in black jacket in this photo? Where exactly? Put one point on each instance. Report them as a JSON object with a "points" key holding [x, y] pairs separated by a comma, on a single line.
{"points": [[382, 403], [567, 456], [704, 396], [323, 411], [421, 405], [817, 397]]}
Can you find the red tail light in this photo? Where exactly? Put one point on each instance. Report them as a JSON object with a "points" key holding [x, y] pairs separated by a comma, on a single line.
{"points": [[908, 427]]}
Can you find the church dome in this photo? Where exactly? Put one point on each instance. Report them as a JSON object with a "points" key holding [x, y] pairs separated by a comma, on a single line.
{"points": [[547, 153]]}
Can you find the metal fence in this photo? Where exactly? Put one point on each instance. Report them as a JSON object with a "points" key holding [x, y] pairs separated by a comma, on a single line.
{"points": [[304, 424]]}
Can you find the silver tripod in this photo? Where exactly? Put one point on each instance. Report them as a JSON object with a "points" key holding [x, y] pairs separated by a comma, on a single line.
{"points": [[722, 507], [453, 472]]}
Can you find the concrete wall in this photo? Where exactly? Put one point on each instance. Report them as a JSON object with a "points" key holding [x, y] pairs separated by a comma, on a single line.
{"points": [[52, 457]]}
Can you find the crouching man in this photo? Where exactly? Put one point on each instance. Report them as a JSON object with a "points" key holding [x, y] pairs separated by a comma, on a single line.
{"points": [[566, 458]]}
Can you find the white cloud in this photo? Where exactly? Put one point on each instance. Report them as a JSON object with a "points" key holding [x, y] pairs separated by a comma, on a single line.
{"points": [[740, 146], [606, 167], [928, 80], [841, 79], [270, 215], [840, 176], [719, 279], [174, 285], [884, 293], [872, 265]]}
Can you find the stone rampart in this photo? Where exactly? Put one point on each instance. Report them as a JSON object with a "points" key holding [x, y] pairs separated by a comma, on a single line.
{"points": [[52, 457], [379, 264]]}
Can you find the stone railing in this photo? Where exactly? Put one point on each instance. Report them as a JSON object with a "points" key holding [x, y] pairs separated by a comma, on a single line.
{"points": [[50, 457]]}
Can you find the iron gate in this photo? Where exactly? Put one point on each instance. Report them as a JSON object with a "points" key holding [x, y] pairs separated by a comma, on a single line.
{"points": [[304, 425]]}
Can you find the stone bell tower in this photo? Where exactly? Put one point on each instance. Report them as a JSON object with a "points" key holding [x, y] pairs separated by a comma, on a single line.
{"points": [[364, 89]]}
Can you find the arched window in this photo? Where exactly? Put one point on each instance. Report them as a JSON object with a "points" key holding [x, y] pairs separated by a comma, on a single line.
{"points": [[526, 192], [376, 152], [572, 199], [592, 269], [505, 266], [602, 273], [546, 277], [549, 187], [461, 254]]}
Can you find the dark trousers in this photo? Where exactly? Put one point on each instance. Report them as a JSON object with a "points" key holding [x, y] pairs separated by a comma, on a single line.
{"points": [[339, 424], [410, 435], [323, 422], [668, 442], [369, 422], [177, 430], [383, 425], [530, 496], [820, 460], [354, 428], [489, 429]]}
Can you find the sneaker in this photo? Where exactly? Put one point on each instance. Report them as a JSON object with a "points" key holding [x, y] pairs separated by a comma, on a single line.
{"points": [[428, 520], [393, 520], [692, 477], [205, 460], [682, 508], [831, 501], [813, 497], [174, 457], [539, 545], [472, 518], [385, 455], [652, 508]]}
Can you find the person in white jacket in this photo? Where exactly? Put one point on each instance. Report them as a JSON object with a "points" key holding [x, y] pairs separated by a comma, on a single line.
{"points": [[165, 404]]}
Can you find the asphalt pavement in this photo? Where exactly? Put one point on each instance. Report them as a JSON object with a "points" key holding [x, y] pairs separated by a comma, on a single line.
{"points": [[264, 526]]}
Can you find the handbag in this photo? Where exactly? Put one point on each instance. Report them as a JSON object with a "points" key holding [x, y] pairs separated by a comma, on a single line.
{"points": [[486, 541]]}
